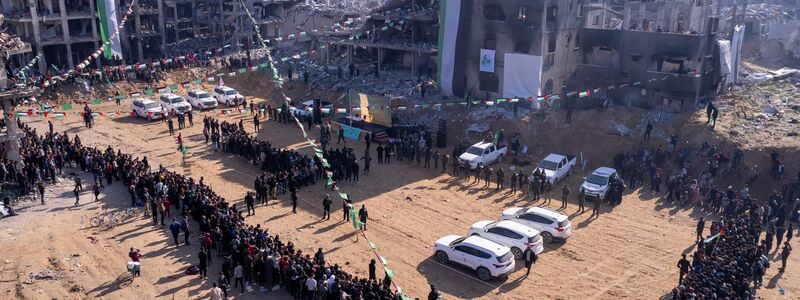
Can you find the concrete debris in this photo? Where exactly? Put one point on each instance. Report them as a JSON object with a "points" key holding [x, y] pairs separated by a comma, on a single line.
{"points": [[47, 274], [619, 128]]}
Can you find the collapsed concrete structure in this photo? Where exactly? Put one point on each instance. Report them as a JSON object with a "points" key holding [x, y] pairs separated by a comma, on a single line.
{"points": [[667, 55]]}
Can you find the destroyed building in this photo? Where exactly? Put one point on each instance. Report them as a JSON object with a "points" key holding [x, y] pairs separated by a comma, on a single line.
{"points": [[603, 14], [68, 31], [400, 35], [64, 31], [667, 55], [503, 49]]}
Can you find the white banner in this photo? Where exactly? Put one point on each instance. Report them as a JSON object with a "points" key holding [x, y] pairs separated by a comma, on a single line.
{"points": [[487, 60], [522, 75], [111, 26]]}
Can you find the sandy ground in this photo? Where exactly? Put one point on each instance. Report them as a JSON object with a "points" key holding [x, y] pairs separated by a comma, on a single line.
{"points": [[627, 253]]}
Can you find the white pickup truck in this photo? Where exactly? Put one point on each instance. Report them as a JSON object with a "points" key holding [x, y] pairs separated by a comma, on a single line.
{"points": [[556, 166], [485, 153]]}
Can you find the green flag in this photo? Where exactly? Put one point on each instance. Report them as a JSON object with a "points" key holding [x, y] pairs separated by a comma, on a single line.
{"points": [[173, 87], [389, 273], [343, 195], [66, 106], [148, 91], [373, 246], [198, 81], [95, 101], [330, 181], [242, 70]]}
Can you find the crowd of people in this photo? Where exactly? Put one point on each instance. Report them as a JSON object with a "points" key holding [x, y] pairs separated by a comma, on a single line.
{"points": [[149, 71], [252, 256]]}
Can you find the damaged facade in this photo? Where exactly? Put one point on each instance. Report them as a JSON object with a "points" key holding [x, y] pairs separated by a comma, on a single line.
{"points": [[67, 31], [401, 35], [668, 49], [495, 48], [64, 31]]}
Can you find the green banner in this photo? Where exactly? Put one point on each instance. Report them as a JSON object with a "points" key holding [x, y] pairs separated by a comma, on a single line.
{"points": [[173, 87], [67, 106], [100, 5]]}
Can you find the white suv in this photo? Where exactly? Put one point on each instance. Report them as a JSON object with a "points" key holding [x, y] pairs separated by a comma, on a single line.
{"points": [[552, 225], [596, 185], [146, 108], [201, 99], [487, 258], [514, 235], [227, 95], [175, 103]]}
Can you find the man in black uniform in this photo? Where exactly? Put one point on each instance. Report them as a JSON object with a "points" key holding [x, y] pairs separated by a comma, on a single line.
{"points": [[326, 207]]}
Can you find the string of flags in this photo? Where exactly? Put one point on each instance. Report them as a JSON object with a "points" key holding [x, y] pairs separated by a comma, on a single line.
{"points": [[34, 60], [320, 154], [97, 52]]}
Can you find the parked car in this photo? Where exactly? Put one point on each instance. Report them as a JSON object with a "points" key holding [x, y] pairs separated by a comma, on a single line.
{"points": [[551, 225], [485, 153], [556, 166], [201, 99], [174, 103], [511, 234], [305, 108], [227, 95], [146, 108], [487, 258], [597, 184]]}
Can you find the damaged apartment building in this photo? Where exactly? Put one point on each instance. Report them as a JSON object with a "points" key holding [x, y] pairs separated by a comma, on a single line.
{"points": [[64, 31], [68, 31], [508, 49], [666, 55], [401, 35]]}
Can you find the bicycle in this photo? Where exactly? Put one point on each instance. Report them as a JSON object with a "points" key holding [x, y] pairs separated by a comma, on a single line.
{"points": [[129, 213], [110, 219]]}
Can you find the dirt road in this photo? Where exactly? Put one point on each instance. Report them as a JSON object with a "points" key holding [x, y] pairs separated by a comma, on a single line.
{"points": [[628, 253]]}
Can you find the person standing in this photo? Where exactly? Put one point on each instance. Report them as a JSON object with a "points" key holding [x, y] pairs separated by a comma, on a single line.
{"points": [[363, 215], [135, 255], [647, 131], [346, 210], [40, 187], [326, 207], [787, 249], [251, 202], [203, 265], [683, 266], [96, 191], [170, 126], [238, 277], [372, 269], [564, 194], [596, 208], [581, 199], [76, 191], [256, 123], [700, 227], [367, 159], [186, 230], [293, 195], [789, 233], [175, 229], [530, 258]]}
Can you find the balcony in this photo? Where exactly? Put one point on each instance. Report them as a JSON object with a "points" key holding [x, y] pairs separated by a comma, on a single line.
{"points": [[80, 13], [672, 81], [21, 15]]}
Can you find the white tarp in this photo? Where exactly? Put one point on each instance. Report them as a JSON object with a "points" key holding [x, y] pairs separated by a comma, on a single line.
{"points": [[725, 66], [522, 75], [487, 60], [449, 14], [736, 53]]}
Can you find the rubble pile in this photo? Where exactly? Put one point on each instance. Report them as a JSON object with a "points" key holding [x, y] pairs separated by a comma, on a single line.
{"points": [[769, 111]]}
